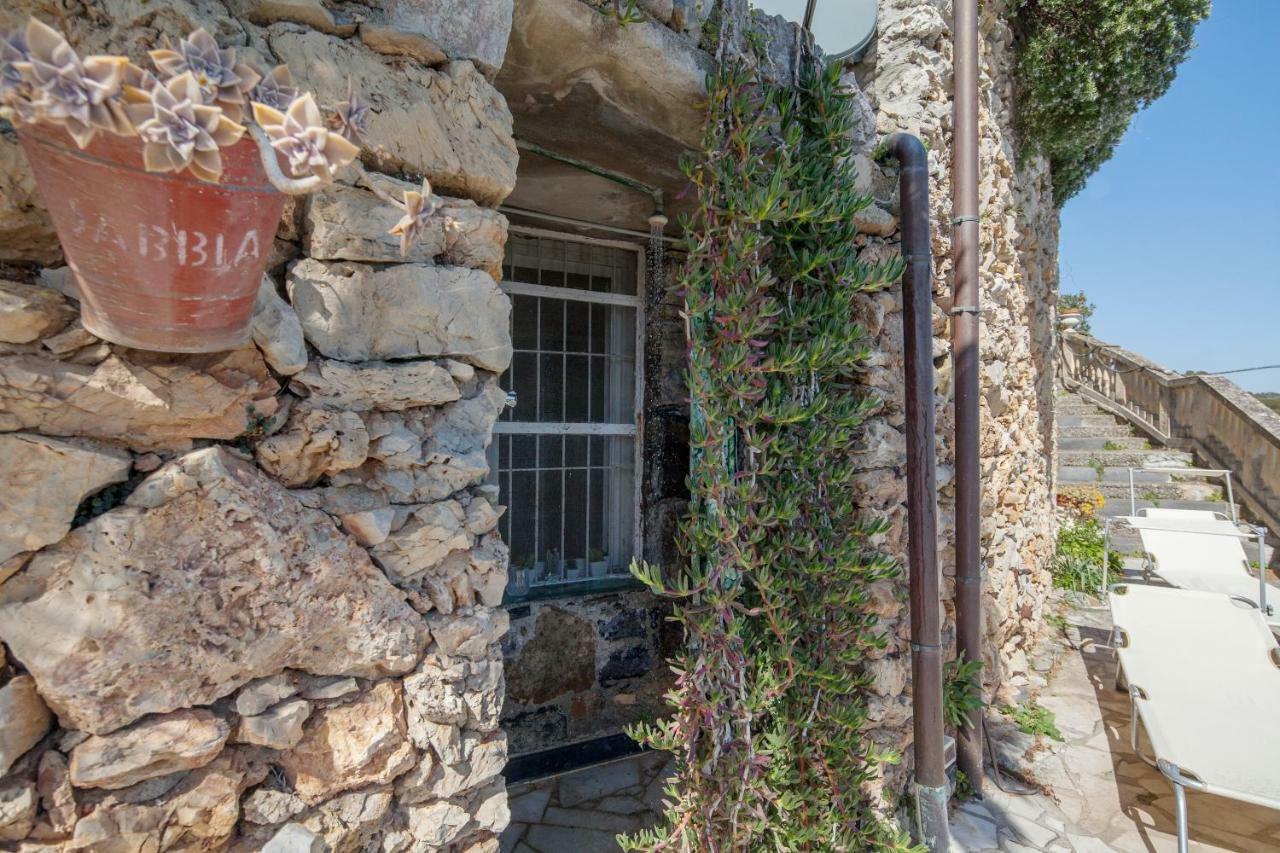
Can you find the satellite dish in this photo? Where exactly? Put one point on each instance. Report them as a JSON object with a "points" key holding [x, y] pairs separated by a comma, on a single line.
{"points": [[843, 29]]}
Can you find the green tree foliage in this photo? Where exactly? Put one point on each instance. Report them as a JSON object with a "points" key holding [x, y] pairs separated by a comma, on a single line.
{"points": [[769, 703], [1086, 66]]}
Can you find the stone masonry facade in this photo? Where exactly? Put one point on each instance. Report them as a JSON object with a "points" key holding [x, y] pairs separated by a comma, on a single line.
{"points": [[908, 83], [254, 599], [275, 622]]}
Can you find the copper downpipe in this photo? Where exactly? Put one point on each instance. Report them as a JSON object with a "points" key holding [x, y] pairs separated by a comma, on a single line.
{"points": [[964, 350], [922, 494]]}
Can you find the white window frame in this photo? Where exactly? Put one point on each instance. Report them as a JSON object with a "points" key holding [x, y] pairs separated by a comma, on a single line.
{"points": [[635, 431]]}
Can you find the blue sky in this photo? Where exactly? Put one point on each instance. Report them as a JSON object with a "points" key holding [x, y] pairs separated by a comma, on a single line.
{"points": [[1176, 239]]}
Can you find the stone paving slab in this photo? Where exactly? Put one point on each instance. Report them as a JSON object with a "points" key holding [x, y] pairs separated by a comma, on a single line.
{"points": [[583, 811]]}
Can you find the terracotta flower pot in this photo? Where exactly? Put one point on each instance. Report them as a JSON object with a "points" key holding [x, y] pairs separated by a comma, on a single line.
{"points": [[163, 261]]}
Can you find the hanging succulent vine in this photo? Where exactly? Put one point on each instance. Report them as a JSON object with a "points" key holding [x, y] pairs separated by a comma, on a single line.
{"points": [[768, 705]]}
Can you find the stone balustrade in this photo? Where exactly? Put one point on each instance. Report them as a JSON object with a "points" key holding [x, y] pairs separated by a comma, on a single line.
{"points": [[1224, 425]]}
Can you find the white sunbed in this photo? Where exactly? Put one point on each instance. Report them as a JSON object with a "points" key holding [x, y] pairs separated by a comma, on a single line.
{"points": [[1203, 672], [1197, 550]]}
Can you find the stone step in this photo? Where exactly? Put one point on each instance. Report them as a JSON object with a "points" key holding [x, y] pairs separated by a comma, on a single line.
{"points": [[1090, 474], [1174, 491], [1078, 409], [1090, 442], [1115, 430], [1098, 420], [1161, 456]]}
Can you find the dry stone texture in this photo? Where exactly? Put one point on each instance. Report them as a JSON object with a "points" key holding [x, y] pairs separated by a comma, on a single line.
{"points": [[277, 332], [362, 743], [212, 661], [385, 386], [43, 481], [146, 400], [355, 312], [907, 81], [266, 584], [28, 313], [154, 747], [26, 232], [352, 224], [314, 443], [24, 719], [449, 124], [279, 727], [475, 30]]}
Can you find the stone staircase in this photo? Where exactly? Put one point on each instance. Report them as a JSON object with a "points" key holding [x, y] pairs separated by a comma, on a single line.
{"points": [[1096, 449]]}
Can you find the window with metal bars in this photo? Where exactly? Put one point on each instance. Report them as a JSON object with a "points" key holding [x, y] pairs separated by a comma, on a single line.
{"points": [[565, 456]]}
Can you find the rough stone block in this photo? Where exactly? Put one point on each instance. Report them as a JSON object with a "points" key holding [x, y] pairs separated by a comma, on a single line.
{"points": [[28, 313], [145, 400], [354, 312], [352, 224], [448, 124], [43, 481], [464, 29], [348, 746], [111, 632], [381, 385], [24, 719]]}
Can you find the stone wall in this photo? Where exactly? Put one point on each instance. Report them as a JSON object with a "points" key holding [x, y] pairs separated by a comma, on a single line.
{"points": [[255, 595], [908, 85]]}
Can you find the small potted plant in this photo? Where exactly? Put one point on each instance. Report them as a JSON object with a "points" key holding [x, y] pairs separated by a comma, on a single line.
{"points": [[1073, 311], [166, 185], [599, 563]]}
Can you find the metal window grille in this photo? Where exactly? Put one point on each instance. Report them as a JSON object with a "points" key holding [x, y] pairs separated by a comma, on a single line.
{"points": [[565, 457]]}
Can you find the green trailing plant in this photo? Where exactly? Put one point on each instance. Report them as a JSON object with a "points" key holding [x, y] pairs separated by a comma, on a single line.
{"points": [[962, 690], [1084, 69], [769, 701], [1111, 445], [1057, 620], [1033, 719], [1077, 560], [1099, 469]]}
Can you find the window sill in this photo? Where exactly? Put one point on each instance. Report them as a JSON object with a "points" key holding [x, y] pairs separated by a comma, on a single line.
{"points": [[574, 589]]}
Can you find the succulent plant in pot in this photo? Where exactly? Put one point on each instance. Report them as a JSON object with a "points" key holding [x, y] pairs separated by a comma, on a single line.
{"points": [[166, 185]]}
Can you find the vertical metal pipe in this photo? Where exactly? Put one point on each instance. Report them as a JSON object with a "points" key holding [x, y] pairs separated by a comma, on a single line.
{"points": [[964, 252], [922, 495]]}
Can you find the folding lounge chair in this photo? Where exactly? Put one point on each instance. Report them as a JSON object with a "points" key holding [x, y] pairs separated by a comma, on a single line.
{"points": [[1194, 550], [1204, 681]]}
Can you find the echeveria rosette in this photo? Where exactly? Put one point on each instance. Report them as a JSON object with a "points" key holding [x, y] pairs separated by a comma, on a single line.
{"points": [[351, 116], [301, 136], [276, 90], [179, 131], [15, 91], [222, 80], [418, 207], [58, 87]]}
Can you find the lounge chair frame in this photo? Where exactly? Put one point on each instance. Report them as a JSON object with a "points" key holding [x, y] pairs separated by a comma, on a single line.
{"points": [[1225, 474], [1180, 778], [1242, 531]]}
